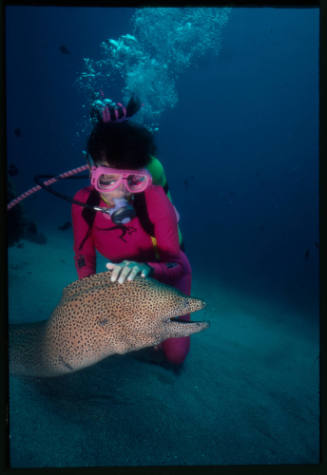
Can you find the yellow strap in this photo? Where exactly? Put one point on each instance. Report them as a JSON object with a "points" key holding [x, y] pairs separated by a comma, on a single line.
{"points": [[107, 202], [155, 246]]}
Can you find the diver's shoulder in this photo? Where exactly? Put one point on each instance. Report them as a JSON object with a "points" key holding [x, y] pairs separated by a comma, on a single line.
{"points": [[83, 193], [158, 205], [156, 191], [156, 198]]}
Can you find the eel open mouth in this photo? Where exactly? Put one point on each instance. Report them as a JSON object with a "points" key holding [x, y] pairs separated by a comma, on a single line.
{"points": [[178, 320]]}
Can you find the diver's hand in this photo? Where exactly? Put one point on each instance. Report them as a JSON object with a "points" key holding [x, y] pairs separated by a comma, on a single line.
{"points": [[127, 270]]}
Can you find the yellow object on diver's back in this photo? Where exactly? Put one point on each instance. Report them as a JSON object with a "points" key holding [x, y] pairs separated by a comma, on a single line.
{"points": [[155, 247]]}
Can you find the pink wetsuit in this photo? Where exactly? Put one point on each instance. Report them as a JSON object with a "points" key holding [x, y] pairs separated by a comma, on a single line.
{"points": [[135, 244]]}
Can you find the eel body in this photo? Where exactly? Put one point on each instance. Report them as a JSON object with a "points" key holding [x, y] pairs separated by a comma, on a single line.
{"points": [[96, 318]]}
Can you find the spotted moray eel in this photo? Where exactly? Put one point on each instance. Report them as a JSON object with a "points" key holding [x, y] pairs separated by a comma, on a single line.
{"points": [[96, 318]]}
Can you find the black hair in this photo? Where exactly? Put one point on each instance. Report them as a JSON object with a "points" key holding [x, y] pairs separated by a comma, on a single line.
{"points": [[124, 144]]}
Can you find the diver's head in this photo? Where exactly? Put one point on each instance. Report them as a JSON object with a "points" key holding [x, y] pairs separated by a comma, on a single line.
{"points": [[120, 144], [123, 144]]}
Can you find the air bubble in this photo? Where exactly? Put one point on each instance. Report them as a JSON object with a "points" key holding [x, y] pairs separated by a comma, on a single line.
{"points": [[162, 44]]}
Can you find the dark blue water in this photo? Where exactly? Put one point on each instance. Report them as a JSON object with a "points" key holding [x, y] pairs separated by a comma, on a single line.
{"points": [[240, 148]]}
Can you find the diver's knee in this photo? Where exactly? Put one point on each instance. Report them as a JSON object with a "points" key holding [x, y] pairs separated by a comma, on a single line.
{"points": [[176, 350]]}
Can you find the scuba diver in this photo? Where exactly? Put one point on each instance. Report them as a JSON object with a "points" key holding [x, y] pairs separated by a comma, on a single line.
{"points": [[127, 214]]}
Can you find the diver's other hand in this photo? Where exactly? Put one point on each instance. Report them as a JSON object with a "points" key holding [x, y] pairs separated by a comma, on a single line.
{"points": [[127, 270]]}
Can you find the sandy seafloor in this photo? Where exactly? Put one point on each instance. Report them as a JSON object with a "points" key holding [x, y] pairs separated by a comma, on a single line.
{"points": [[248, 394]]}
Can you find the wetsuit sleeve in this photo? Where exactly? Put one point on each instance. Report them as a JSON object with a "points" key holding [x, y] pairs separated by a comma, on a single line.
{"points": [[85, 256], [162, 215]]}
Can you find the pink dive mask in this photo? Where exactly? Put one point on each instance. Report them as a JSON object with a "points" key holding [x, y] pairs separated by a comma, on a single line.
{"points": [[108, 179]]}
